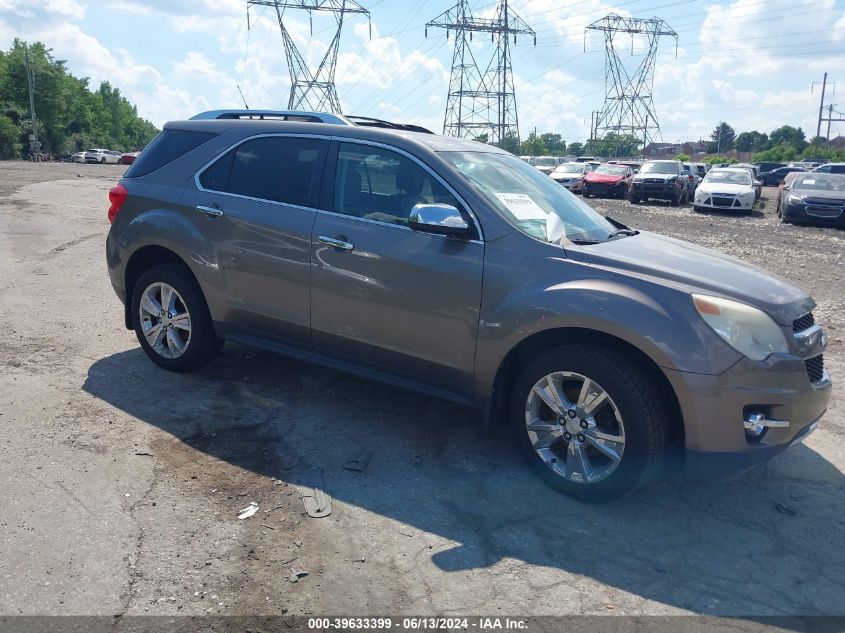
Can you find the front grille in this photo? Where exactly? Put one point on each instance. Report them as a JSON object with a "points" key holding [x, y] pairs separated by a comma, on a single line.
{"points": [[653, 181], [824, 212], [722, 202], [815, 368], [803, 322]]}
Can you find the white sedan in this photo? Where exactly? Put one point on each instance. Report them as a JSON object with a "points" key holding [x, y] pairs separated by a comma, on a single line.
{"points": [[725, 190], [101, 156]]}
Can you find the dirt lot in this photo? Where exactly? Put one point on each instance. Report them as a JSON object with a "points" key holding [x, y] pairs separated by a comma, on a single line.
{"points": [[120, 483]]}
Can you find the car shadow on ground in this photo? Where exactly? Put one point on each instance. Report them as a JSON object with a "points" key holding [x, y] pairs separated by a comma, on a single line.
{"points": [[769, 543]]}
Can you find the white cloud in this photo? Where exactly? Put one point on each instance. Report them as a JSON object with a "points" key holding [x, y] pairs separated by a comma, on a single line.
{"points": [[197, 66], [65, 8]]}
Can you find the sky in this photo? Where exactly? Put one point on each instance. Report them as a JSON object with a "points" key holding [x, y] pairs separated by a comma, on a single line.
{"points": [[751, 63]]}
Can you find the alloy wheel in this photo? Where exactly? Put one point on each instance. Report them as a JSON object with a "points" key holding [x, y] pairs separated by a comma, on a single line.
{"points": [[575, 427], [165, 320]]}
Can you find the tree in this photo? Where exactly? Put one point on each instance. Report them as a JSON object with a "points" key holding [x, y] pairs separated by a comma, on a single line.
{"points": [[70, 115], [534, 146], [613, 144], [484, 137], [10, 134], [788, 135], [684, 158], [576, 148], [723, 137], [554, 143], [752, 142], [510, 143], [715, 160]]}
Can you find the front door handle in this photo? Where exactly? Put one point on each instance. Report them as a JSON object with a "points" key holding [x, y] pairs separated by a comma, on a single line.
{"points": [[335, 243], [212, 211]]}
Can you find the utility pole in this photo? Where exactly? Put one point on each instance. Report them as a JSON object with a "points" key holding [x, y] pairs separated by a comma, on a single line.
{"points": [[829, 119], [821, 107], [34, 137], [481, 102]]}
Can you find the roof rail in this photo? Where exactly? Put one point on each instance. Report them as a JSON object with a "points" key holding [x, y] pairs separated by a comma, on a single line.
{"points": [[365, 121], [284, 115]]}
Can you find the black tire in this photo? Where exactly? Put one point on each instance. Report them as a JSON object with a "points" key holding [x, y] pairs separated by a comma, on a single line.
{"points": [[697, 209], [676, 199], [640, 405], [103, 161], [635, 199], [203, 344]]}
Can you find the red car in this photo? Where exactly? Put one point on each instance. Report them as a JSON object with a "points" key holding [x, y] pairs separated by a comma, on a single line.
{"points": [[127, 159], [609, 180]]}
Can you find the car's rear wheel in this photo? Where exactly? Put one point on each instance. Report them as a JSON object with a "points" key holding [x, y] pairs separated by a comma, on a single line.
{"points": [[171, 319], [676, 199], [635, 199], [588, 421], [103, 161]]}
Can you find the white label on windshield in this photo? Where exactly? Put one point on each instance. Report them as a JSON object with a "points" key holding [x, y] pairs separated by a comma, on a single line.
{"points": [[522, 206], [809, 181]]}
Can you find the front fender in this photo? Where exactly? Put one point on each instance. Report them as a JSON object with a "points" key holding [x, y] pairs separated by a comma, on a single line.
{"points": [[659, 321]]}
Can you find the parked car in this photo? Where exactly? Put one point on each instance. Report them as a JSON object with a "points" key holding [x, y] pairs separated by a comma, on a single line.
{"points": [[775, 177], [830, 168], [571, 175], [608, 180], [814, 198], [726, 190], [751, 171], [634, 165], [764, 167], [546, 164], [101, 156], [786, 181], [128, 158], [693, 179], [458, 270], [701, 168], [661, 180]]}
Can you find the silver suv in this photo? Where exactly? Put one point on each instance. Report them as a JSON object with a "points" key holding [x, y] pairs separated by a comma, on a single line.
{"points": [[454, 268]]}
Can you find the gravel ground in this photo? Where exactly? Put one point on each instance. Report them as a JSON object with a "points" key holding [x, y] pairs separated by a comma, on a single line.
{"points": [[120, 483]]}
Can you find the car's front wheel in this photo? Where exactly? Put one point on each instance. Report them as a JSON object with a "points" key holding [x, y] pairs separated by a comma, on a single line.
{"points": [[588, 420], [171, 319]]}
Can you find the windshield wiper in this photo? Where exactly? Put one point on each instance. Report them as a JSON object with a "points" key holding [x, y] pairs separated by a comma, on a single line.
{"points": [[584, 242], [619, 232]]}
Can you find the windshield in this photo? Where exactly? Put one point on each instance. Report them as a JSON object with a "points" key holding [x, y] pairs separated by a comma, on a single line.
{"points": [[531, 202], [728, 178], [570, 168], [820, 182], [610, 169], [544, 161], [660, 167]]}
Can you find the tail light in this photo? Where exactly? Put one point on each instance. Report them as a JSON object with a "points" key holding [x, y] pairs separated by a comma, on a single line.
{"points": [[117, 196]]}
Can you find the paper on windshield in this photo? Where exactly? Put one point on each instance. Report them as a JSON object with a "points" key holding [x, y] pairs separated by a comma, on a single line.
{"points": [[808, 181], [522, 206]]}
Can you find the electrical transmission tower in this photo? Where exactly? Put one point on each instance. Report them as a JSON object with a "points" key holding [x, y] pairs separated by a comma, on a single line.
{"points": [[628, 107], [309, 90], [481, 102]]}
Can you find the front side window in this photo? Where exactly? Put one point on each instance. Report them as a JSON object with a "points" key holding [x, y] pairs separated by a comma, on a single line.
{"points": [[530, 201], [379, 184], [277, 168]]}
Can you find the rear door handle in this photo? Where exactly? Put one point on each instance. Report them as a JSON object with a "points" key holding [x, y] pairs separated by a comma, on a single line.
{"points": [[212, 211], [334, 243]]}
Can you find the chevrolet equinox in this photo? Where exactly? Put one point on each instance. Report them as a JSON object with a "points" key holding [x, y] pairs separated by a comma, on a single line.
{"points": [[454, 268]]}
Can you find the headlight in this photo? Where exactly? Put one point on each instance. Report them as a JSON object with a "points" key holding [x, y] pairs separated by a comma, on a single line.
{"points": [[748, 330], [672, 179], [793, 199]]}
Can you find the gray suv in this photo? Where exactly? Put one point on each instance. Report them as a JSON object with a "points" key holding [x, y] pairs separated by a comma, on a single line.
{"points": [[454, 268]]}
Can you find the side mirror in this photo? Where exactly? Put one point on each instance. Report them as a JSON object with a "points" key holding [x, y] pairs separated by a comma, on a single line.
{"points": [[443, 219]]}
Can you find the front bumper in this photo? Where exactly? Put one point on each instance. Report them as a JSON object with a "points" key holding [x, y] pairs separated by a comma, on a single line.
{"points": [[659, 190], [725, 202], [714, 408], [813, 214], [604, 188]]}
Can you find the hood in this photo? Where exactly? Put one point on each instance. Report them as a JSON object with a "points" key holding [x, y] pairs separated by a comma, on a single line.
{"points": [[717, 187], [566, 176], [698, 269], [603, 178], [819, 194], [641, 176]]}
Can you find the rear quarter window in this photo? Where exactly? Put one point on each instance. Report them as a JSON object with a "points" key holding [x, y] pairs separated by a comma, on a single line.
{"points": [[165, 148]]}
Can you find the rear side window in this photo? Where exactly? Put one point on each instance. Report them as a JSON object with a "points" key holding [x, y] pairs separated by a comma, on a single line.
{"points": [[277, 168], [165, 148]]}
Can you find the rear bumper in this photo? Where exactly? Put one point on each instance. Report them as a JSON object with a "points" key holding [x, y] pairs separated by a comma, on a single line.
{"points": [[714, 408]]}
